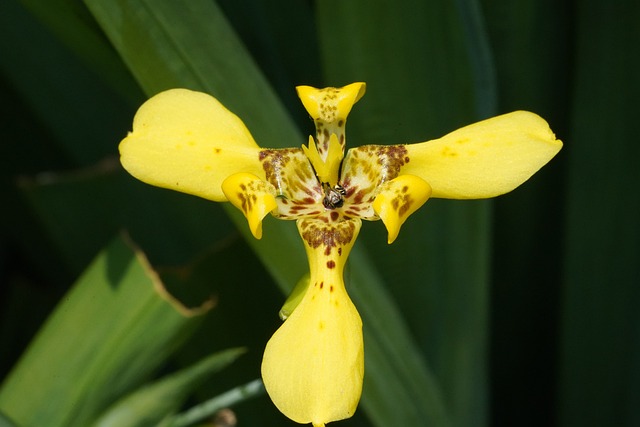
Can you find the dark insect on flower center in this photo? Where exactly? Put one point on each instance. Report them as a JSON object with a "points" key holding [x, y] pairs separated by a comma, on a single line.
{"points": [[333, 196]]}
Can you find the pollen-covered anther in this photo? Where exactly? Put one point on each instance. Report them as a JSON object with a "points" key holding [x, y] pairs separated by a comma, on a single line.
{"points": [[398, 199], [253, 196]]}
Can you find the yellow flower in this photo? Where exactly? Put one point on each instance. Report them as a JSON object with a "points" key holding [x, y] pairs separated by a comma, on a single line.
{"points": [[187, 141]]}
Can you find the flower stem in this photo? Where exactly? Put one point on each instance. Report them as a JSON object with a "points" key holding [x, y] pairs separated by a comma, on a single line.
{"points": [[211, 406]]}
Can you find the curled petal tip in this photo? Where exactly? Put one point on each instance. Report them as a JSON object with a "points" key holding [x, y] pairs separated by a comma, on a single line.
{"points": [[253, 196], [330, 104], [398, 199]]}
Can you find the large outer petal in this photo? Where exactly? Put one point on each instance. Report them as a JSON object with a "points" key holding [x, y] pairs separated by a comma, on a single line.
{"points": [[189, 142], [485, 159], [313, 366]]}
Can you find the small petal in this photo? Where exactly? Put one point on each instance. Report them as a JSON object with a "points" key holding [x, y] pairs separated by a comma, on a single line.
{"points": [[253, 196], [485, 159], [326, 169], [330, 104], [329, 108], [398, 199], [189, 142]]}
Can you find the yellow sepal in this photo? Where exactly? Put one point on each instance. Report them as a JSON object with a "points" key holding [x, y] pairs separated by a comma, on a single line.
{"points": [[313, 366], [485, 159], [398, 199], [253, 196], [187, 141]]}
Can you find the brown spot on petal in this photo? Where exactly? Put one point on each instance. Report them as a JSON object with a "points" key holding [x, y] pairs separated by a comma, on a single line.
{"points": [[331, 264], [316, 233]]}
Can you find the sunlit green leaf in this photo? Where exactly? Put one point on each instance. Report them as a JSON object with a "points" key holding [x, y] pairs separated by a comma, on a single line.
{"points": [[111, 331], [152, 403]]}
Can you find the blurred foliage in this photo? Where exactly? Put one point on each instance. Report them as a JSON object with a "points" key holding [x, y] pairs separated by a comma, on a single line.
{"points": [[520, 311]]}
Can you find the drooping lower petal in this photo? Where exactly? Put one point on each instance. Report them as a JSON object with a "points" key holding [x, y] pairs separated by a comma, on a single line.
{"points": [[398, 199], [313, 365]]}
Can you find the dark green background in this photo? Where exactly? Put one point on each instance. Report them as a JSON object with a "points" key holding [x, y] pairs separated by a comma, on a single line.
{"points": [[526, 308]]}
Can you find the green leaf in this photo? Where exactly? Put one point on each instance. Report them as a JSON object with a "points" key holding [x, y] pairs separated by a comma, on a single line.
{"points": [[211, 406], [59, 89], [152, 403], [600, 353], [534, 57], [6, 422], [111, 331], [167, 45], [72, 23]]}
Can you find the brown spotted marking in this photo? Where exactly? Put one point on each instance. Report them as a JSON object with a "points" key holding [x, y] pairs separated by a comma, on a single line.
{"points": [[337, 234], [248, 197], [402, 201], [289, 171]]}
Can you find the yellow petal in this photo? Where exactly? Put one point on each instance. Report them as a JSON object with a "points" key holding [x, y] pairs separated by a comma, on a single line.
{"points": [[330, 104], [398, 199], [485, 159], [329, 108], [187, 141], [314, 364], [327, 169], [253, 196]]}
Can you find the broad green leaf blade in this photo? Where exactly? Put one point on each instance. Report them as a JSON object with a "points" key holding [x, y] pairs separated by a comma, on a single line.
{"points": [[394, 365], [428, 70], [152, 403], [6, 422], [188, 44], [534, 58], [72, 23], [111, 331], [79, 223], [600, 353], [193, 59], [480, 56], [59, 89]]}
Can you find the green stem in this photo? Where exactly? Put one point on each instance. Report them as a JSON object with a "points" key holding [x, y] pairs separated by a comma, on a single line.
{"points": [[211, 406]]}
